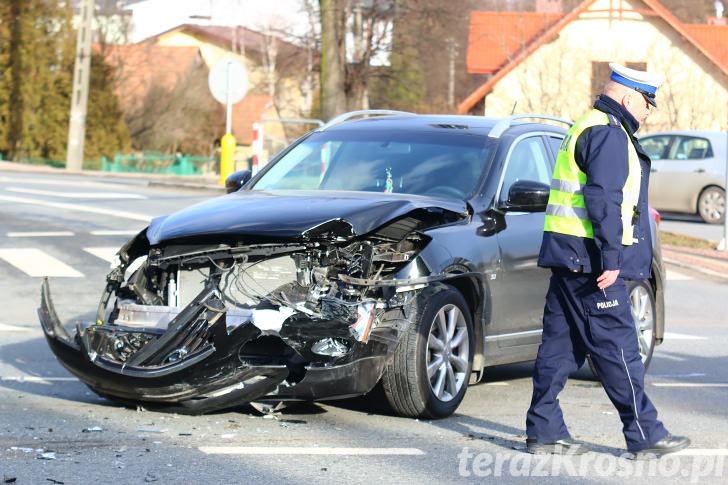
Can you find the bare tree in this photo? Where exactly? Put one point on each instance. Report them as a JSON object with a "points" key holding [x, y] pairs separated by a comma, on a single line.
{"points": [[182, 118]]}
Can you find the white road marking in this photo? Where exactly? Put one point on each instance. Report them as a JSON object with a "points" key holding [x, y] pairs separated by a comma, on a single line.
{"points": [[682, 336], [55, 182], [78, 195], [40, 234], [671, 357], [81, 208], [702, 452], [35, 262], [305, 450], [115, 233], [673, 275], [107, 253], [690, 384], [4, 327], [676, 376], [47, 380]]}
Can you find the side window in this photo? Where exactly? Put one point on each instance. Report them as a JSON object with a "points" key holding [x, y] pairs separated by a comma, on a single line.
{"points": [[657, 147], [528, 161], [554, 143], [692, 148]]}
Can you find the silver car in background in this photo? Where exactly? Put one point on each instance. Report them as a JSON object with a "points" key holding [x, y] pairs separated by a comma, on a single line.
{"points": [[688, 172]]}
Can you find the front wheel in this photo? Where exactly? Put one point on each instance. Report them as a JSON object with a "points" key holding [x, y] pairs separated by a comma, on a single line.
{"points": [[711, 205], [429, 374]]}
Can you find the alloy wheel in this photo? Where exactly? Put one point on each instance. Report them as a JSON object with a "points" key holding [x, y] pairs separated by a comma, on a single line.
{"points": [[448, 351], [644, 318], [712, 205]]}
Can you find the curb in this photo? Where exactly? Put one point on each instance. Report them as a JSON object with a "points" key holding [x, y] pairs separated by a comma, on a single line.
{"points": [[160, 180], [693, 267]]}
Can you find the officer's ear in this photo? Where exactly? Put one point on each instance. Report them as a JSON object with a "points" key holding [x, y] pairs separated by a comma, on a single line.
{"points": [[627, 100]]}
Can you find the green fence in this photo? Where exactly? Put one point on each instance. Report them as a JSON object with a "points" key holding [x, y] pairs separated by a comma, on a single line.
{"points": [[166, 164], [87, 164]]}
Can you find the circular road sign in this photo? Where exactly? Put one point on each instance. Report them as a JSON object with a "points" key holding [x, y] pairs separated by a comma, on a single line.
{"points": [[228, 76]]}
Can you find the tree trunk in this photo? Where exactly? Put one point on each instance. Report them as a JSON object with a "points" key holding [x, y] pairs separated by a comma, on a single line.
{"points": [[333, 58]]}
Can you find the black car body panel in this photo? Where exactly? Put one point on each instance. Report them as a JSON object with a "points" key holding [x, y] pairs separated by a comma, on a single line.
{"points": [[288, 214]]}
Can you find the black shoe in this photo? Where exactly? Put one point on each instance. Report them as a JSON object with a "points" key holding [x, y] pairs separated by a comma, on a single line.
{"points": [[668, 444], [566, 446]]}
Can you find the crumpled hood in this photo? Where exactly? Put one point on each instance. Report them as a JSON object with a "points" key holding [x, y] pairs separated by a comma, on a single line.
{"points": [[291, 213]]}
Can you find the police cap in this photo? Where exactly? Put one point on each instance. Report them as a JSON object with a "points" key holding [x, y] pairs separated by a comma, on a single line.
{"points": [[644, 82]]}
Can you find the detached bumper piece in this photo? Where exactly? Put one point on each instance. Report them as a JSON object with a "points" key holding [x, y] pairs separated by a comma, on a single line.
{"points": [[191, 367]]}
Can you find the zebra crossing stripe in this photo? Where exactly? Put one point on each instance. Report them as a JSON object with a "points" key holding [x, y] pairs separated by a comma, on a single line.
{"points": [[35, 262], [40, 234], [4, 327], [78, 195], [107, 253], [77, 207], [115, 233]]}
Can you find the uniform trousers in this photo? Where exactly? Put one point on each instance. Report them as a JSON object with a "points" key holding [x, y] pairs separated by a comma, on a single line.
{"points": [[579, 318]]}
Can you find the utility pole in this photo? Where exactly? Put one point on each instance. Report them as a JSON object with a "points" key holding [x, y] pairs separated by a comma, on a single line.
{"points": [[79, 92]]}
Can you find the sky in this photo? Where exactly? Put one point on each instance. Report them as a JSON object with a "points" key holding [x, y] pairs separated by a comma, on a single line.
{"points": [[152, 17]]}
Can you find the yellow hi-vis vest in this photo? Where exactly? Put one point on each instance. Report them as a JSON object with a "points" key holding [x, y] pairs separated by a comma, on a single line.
{"points": [[566, 212]]}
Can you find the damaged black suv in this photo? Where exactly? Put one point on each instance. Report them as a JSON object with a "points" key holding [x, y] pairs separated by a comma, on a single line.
{"points": [[383, 247]]}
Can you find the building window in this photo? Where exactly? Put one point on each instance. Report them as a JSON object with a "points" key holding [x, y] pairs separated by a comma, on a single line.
{"points": [[601, 73]]}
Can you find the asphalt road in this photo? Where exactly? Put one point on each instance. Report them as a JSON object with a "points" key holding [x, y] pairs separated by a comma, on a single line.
{"points": [[55, 430]]}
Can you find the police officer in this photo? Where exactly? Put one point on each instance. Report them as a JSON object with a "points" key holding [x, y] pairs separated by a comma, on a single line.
{"points": [[596, 235]]}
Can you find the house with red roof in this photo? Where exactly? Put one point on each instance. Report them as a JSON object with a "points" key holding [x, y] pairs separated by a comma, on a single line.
{"points": [[556, 63], [276, 78]]}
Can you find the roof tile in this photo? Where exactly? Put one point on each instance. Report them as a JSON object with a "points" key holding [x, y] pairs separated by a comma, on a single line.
{"points": [[496, 37]]}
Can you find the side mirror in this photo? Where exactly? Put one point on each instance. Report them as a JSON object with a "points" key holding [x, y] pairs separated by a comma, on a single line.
{"points": [[528, 196], [237, 180]]}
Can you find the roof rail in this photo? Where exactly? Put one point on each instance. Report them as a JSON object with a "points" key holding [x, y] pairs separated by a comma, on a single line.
{"points": [[364, 112], [507, 122]]}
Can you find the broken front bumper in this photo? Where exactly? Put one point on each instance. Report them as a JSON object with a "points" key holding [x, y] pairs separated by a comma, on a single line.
{"points": [[232, 365]]}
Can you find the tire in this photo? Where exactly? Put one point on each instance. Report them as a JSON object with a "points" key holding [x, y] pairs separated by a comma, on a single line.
{"points": [[711, 205], [642, 302], [409, 389]]}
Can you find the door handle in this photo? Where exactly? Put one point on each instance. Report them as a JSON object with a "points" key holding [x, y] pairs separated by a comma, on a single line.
{"points": [[699, 170]]}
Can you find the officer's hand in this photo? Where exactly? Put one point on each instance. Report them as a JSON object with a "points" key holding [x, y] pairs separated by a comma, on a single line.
{"points": [[608, 277]]}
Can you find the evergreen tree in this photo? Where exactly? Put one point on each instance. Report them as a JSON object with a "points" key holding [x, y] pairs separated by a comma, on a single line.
{"points": [[37, 49]]}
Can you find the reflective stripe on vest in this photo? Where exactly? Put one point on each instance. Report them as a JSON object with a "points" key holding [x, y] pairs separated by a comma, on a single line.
{"points": [[566, 212]]}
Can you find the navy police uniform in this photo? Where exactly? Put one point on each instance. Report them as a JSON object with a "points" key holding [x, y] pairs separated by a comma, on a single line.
{"points": [[579, 318]]}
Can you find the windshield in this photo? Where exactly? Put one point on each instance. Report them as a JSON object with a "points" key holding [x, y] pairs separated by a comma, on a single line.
{"points": [[435, 164]]}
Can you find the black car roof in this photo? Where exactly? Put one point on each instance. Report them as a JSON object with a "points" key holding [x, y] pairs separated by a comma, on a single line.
{"points": [[478, 125]]}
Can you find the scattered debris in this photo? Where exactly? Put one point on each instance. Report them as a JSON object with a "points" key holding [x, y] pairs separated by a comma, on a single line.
{"points": [[184, 434], [92, 429], [7, 479], [228, 435], [48, 455], [24, 450], [53, 480], [607, 412], [150, 478], [143, 430], [293, 421], [268, 407]]}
